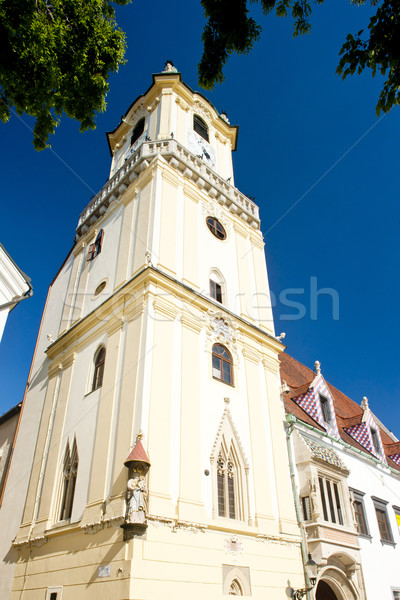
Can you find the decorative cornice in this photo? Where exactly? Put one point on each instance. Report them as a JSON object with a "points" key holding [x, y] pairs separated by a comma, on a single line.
{"points": [[192, 166], [175, 524], [54, 370], [190, 322], [277, 539], [114, 325], [164, 307], [182, 104], [30, 542], [270, 364], [251, 354], [96, 526], [189, 527]]}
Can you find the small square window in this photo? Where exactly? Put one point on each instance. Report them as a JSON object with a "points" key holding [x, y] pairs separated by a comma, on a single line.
{"points": [[306, 508]]}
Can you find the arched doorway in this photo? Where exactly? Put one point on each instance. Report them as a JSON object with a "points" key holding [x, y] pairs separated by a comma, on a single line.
{"points": [[325, 592]]}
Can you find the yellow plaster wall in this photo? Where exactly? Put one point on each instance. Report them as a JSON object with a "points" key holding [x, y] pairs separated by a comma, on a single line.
{"points": [[168, 230], [142, 230]]}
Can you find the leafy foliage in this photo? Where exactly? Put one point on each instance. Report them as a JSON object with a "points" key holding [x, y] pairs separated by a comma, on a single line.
{"points": [[55, 57], [229, 29]]}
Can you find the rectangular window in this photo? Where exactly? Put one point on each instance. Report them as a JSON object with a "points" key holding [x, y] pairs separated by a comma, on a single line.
{"points": [[383, 520], [396, 594], [330, 500], [359, 512], [375, 440], [221, 494], [216, 291], [306, 507], [54, 593], [325, 408]]}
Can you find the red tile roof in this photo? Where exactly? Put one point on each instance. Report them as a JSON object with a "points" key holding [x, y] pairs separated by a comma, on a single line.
{"points": [[348, 413], [138, 454]]}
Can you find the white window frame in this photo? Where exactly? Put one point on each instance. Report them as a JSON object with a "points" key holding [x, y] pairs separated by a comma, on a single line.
{"points": [[54, 590], [331, 497]]}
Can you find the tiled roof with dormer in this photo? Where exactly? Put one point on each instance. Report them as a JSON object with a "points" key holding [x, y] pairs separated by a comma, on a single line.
{"points": [[349, 414]]}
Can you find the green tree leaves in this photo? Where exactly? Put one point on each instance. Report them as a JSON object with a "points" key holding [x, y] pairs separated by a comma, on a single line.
{"points": [[55, 58], [229, 29]]}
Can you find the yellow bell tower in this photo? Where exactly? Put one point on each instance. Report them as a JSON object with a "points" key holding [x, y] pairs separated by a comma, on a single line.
{"points": [[160, 467]]}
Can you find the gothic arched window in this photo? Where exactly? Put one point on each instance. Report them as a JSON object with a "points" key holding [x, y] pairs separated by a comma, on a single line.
{"points": [[222, 364], [70, 471], [226, 484], [200, 127], [137, 131], [230, 474], [99, 361], [235, 589]]}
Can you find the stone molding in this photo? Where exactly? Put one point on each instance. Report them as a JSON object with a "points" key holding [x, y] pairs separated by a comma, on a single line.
{"points": [[37, 541], [277, 539], [96, 526], [193, 167], [176, 524]]}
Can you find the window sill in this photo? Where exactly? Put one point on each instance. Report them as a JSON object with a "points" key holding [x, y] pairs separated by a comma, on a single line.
{"points": [[388, 543], [365, 536], [222, 381]]}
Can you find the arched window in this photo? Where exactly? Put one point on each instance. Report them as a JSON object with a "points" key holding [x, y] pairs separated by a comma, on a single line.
{"points": [[70, 471], [200, 127], [226, 487], [222, 364], [230, 475], [217, 286], [235, 589], [137, 131], [99, 361]]}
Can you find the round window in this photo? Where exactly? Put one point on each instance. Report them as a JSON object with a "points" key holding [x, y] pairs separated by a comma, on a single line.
{"points": [[216, 228], [100, 288]]}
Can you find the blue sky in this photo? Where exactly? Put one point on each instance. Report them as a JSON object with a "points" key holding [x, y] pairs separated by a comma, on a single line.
{"points": [[322, 167]]}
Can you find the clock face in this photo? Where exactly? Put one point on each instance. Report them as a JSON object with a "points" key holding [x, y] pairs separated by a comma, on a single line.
{"points": [[201, 148]]}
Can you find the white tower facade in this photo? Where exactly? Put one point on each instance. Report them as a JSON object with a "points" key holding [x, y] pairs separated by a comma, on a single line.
{"points": [[162, 348]]}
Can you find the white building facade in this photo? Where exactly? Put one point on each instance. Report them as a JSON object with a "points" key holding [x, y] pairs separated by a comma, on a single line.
{"points": [[14, 286], [347, 472]]}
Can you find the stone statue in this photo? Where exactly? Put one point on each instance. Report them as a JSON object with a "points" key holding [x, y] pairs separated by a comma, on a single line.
{"points": [[136, 495], [314, 498]]}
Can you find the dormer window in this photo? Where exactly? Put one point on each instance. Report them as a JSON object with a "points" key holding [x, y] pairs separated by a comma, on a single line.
{"points": [[325, 409], [375, 440], [200, 127], [138, 130]]}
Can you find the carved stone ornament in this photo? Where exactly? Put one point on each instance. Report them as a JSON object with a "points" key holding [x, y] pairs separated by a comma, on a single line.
{"points": [[234, 547], [275, 539], [211, 209], [202, 111], [188, 527], [221, 328], [37, 541]]}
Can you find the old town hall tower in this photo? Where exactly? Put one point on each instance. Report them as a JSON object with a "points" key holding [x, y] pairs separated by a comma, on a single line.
{"points": [[160, 468]]}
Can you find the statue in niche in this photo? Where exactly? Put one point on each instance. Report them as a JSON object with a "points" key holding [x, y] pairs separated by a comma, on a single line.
{"points": [[136, 496]]}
